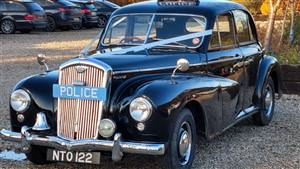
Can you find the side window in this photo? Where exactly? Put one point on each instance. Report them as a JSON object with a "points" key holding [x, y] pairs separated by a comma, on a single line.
{"points": [[243, 29], [223, 33], [2, 6], [44, 2], [13, 6]]}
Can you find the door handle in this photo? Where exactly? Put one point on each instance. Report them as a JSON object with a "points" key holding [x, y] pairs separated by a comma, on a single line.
{"points": [[237, 55]]}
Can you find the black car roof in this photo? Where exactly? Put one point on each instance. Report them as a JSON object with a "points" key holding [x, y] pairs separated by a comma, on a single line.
{"points": [[19, 0], [80, 1], [204, 7]]}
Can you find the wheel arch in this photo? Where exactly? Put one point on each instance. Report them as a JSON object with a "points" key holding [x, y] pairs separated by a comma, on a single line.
{"points": [[269, 67], [199, 116]]}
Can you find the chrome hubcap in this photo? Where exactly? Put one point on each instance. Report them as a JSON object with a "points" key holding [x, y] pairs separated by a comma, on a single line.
{"points": [[185, 143], [7, 26], [268, 100]]}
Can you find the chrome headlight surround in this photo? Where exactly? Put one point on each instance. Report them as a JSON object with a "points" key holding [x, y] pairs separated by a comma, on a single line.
{"points": [[20, 100], [140, 109]]}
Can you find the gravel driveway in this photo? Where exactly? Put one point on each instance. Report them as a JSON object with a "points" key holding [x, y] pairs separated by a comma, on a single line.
{"points": [[243, 146]]}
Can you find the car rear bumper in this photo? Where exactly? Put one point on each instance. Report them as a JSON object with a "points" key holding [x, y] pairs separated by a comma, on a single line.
{"points": [[116, 146], [31, 25]]}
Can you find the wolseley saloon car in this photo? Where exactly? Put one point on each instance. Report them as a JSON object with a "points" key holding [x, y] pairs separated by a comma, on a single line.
{"points": [[163, 74]]}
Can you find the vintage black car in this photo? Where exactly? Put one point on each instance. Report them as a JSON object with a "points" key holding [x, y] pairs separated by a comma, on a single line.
{"points": [[21, 15], [164, 73]]}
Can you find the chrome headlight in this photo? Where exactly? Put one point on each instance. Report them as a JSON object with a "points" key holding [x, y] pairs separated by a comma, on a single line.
{"points": [[140, 109], [20, 100]]}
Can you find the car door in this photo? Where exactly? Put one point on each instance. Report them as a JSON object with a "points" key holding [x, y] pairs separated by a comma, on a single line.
{"points": [[251, 50], [225, 59], [16, 10]]}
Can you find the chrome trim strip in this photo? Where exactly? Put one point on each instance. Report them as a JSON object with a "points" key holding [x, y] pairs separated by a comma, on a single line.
{"points": [[84, 145], [173, 67]]}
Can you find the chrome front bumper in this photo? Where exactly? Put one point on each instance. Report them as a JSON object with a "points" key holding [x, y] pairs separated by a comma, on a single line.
{"points": [[117, 146]]}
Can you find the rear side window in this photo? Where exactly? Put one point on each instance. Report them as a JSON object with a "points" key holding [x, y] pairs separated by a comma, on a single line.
{"points": [[13, 6], [223, 33], [244, 32], [33, 6], [45, 2], [66, 3], [2, 6], [90, 6]]}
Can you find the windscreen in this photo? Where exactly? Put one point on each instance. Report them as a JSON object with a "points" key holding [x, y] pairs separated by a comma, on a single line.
{"points": [[141, 29]]}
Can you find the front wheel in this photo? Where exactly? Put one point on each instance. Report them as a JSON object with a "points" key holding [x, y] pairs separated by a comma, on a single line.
{"points": [[265, 115], [182, 143], [37, 155]]}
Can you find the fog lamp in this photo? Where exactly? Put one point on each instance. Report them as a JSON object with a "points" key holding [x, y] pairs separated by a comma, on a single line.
{"points": [[20, 118], [107, 128]]}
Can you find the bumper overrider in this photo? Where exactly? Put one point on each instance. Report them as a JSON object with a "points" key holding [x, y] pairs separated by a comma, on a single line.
{"points": [[117, 146]]}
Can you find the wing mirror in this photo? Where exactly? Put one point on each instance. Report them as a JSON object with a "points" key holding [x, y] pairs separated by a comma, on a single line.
{"points": [[41, 59], [182, 65]]}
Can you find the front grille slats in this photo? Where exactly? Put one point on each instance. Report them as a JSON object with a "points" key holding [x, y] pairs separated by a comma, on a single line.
{"points": [[79, 119]]}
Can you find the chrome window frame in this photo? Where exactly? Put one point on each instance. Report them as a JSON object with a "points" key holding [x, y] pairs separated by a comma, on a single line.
{"points": [[152, 20]]}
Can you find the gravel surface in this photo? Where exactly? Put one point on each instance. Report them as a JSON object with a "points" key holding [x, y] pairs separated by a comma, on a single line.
{"points": [[243, 146]]}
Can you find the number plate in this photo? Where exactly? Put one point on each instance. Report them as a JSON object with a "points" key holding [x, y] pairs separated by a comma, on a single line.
{"points": [[73, 157], [79, 92], [93, 13], [76, 19]]}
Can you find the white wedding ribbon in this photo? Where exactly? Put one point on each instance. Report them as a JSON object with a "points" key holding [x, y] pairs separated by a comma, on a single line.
{"points": [[162, 42]]}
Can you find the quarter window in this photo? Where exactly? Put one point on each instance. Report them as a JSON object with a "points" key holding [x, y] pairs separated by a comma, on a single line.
{"points": [[244, 32], [2, 6], [223, 33]]}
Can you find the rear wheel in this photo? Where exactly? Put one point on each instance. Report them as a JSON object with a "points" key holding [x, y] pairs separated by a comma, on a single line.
{"points": [[182, 143], [51, 26], [102, 21], [77, 26], [265, 115], [37, 155], [7, 26]]}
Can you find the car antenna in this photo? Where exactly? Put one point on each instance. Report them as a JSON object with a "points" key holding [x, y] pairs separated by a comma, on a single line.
{"points": [[85, 50]]}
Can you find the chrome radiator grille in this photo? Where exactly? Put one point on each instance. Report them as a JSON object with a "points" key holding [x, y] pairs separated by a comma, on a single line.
{"points": [[79, 119]]}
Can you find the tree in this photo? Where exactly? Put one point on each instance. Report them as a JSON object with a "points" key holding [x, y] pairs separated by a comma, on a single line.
{"points": [[292, 29], [283, 24], [273, 8]]}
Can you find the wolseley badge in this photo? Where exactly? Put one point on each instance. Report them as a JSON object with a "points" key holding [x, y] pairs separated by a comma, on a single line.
{"points": [[81, 68]]}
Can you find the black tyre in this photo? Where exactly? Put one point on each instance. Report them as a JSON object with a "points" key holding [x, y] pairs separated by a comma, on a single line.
{"points": [[25, 30], [77, 26], [37, 155], [7, 26], [101, 21], [265, 115], [182, 142], [51, 26]]}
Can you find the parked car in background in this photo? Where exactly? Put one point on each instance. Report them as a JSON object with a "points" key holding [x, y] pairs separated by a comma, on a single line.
{"points": [[60, 14], [89, 11], [104, 10], [23, 16]]}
